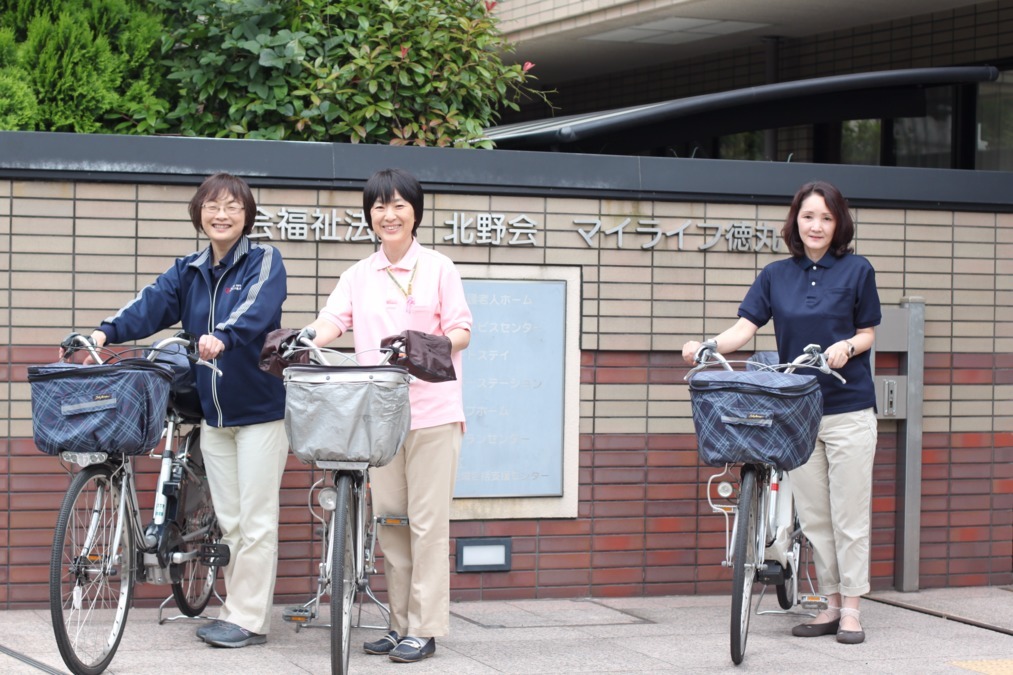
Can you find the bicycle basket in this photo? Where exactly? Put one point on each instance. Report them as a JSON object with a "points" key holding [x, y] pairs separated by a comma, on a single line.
{"points": [[755, 416], [346, 413], [117, 408]]}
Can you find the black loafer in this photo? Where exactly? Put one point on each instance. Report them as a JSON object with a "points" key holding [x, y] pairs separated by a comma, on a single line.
{"points": [[412, 649], [382, 646], [851, 637], [816, 629]]}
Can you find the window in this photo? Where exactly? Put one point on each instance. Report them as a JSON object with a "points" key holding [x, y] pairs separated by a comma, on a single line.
{"points": [[995, 124], [860, 141]]}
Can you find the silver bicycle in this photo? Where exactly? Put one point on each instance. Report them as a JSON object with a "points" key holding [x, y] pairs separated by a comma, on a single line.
{"points": [[102, 546], [343, 419]]}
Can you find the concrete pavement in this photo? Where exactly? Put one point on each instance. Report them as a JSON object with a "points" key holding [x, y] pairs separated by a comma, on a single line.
{"points": [[961, 630]]}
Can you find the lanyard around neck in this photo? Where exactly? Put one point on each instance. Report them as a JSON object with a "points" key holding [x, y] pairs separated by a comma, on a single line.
{"points": [[406, 292]]}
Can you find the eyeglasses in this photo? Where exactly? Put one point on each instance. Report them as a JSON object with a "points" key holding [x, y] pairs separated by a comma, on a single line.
{"points": [[215, 209]]}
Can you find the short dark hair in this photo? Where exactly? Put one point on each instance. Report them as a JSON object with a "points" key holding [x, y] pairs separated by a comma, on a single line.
{"points": [[383, 184], [844, 225], [220, 184]]}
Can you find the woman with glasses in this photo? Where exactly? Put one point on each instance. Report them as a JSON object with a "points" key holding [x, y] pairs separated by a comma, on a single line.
{"points": [[229, 295]]}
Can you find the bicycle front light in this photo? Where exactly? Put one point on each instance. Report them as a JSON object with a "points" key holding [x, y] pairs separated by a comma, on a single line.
{"points": [[328, 499], [725, 489]]}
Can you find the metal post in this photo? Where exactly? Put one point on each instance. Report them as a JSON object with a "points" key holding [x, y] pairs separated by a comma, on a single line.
{"points": [[909, 456]]}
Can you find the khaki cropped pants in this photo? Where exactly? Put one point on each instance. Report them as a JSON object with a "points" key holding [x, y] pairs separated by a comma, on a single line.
{"points": [[419, 483], [245, 466], [833, 495]]}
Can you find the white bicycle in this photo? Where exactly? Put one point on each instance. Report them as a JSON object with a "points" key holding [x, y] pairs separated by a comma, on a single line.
{"points": [[763, 540]]}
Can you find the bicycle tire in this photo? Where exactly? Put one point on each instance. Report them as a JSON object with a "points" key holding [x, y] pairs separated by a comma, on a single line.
{"points": [[91, 584], [743, 563], [196, 524], [343, 577], [787, 593]]}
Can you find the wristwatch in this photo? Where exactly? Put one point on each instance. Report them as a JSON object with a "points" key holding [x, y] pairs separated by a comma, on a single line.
{"points": [[851, 348]]}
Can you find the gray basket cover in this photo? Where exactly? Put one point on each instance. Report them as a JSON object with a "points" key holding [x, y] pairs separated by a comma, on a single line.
{"points": [[346, 413]]}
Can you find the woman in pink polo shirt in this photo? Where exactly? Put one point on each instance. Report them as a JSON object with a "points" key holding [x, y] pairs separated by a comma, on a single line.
{"points": [[406, 286]]}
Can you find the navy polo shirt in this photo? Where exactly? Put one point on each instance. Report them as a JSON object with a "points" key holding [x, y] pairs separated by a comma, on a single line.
{"points": [[820, 303]]}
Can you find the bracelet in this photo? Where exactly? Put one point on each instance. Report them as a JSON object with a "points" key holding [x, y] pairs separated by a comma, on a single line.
{"points": [[851, 348]]}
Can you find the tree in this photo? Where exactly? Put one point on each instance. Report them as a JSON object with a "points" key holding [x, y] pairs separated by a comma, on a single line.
{"points": [[75, 64], [423, 72]]}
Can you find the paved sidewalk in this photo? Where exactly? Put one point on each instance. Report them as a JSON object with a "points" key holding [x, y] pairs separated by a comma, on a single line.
{"points": [[966, 630]]}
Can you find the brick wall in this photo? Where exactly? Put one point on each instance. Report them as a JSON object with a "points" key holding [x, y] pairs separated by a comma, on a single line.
{"points": [[72, 252]]}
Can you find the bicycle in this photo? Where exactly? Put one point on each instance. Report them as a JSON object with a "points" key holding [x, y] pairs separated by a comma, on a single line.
{"points": [[343, 419], [101, 547], [763, 540]]}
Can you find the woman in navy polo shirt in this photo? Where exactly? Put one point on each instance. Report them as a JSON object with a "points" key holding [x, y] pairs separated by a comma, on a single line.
{"points": [[825, 294]]}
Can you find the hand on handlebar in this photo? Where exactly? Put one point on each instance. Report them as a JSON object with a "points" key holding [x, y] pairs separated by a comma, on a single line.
{"points": [[813, 356], [209, 347], [75, 342]]}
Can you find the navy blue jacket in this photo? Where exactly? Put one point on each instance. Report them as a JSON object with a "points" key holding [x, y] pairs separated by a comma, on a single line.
{"points": [[239, 302]]}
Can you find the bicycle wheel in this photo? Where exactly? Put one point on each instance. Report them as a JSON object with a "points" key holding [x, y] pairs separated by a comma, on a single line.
{"points": [[91, 571], [787, 593], [343, 577], [196, 524], [743, 562]]}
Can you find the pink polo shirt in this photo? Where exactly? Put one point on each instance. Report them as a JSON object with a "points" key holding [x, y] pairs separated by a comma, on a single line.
{"points": [[370, 304]]}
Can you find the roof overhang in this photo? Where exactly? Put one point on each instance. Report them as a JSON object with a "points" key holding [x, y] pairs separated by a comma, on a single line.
{"points": [[891, 93]]}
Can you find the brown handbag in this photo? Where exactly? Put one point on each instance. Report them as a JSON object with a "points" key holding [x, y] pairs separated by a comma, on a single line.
{"points": [[277, 342], [424, 355]]}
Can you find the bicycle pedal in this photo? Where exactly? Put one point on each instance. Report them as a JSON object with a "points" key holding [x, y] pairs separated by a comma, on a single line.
{"points": [[297, 614], [814, 602], [215, 555], [397, 521]]}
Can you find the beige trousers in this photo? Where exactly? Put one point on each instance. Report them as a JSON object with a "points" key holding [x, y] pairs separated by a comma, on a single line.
{"points": [[245, 466], [419, 483], [833, 494]]}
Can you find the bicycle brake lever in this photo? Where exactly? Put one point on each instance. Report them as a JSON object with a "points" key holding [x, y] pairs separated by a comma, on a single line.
{"points": [[208, 364]]}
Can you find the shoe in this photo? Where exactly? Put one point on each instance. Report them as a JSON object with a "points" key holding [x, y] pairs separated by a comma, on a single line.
{"points": [[382, 646], [808, 630], [230, 635], [412, 649], [850, 637], [208, 627]]}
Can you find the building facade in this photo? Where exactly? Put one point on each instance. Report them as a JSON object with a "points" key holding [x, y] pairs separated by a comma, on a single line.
{"points": [[658, 250]]}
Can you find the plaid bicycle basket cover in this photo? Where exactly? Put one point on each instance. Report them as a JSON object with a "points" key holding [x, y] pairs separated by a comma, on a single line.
{"points": [[756, 416], [346, 413], [117, 408]]}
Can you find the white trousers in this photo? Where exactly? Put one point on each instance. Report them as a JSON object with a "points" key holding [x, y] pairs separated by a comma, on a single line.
{"points": [[419, 483], [833, 494], [244, 467]]}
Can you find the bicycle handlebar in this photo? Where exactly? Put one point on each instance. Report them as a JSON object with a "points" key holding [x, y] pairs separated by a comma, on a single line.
{"points": [[188, 341], [75, 342], [812, 357], [304, 341]]}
